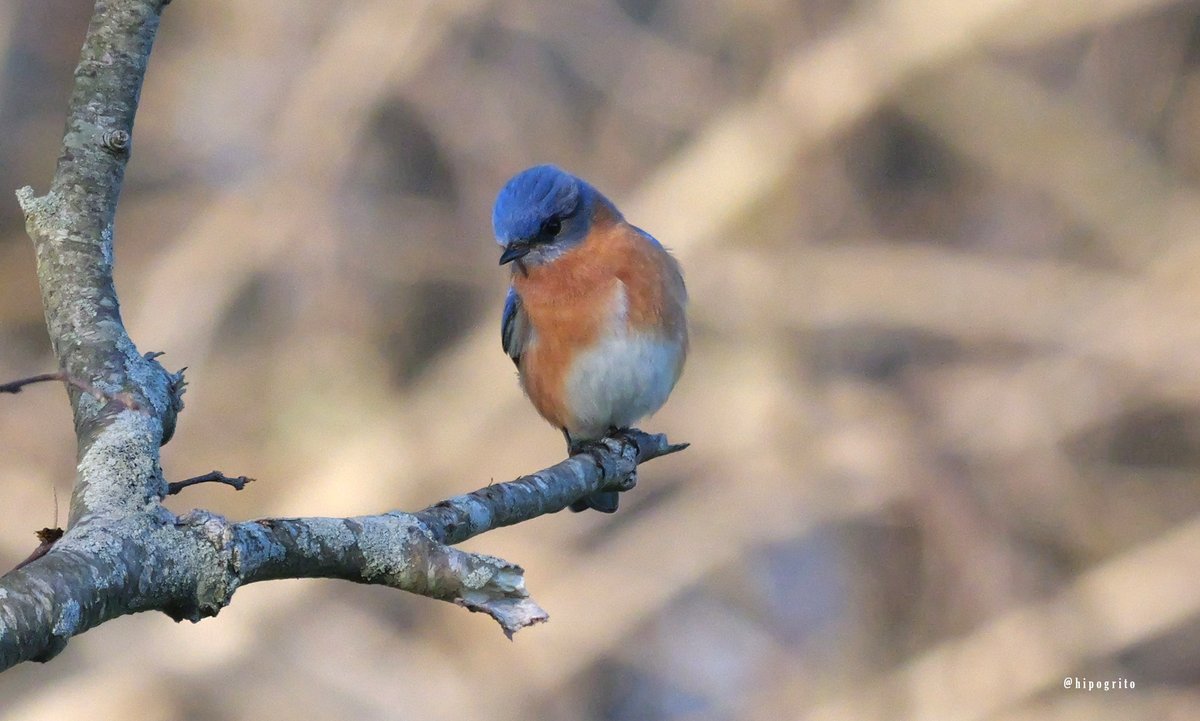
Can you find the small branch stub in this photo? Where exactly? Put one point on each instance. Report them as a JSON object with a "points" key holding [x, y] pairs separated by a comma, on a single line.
{"points": [[47, 537]]}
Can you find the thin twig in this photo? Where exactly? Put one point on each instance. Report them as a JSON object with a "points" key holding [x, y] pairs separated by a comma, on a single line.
{"points": [[237, 483], [123, 398], [18, 386]]}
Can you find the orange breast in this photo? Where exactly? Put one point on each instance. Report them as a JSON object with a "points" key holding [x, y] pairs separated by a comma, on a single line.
{"points": [[570, 303]]}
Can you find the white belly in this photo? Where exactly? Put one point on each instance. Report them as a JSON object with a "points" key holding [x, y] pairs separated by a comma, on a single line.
{"points": [[624, 378]]}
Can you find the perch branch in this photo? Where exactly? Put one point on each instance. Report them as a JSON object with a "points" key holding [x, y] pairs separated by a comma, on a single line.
{"points": [[548, 491], [189, 567]]}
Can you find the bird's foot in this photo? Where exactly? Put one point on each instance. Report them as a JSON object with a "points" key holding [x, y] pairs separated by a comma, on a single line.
{"points": [[601, 455], [593, 449], [624, 435]]}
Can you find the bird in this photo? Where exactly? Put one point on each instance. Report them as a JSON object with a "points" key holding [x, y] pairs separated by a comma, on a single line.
{"points": [[595, 319]]}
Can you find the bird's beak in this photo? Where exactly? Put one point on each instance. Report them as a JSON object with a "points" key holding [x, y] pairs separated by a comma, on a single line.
{"points": [[514, 251]]}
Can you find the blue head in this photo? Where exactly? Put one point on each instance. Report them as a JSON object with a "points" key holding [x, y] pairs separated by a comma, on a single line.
{"points": [[541, 213]]}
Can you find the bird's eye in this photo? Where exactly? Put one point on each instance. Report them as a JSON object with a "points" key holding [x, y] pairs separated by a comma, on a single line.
{"points": [[552, 227]]}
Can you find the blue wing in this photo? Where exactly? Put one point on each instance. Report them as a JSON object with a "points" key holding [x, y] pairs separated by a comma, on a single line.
{"points": [[648, 237], [514, 327]]}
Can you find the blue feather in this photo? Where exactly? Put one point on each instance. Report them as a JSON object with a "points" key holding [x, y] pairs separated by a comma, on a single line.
{"points": [[513, 326]]}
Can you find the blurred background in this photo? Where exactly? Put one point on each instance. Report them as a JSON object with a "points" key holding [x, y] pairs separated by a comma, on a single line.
{"points": [[944, 390]]}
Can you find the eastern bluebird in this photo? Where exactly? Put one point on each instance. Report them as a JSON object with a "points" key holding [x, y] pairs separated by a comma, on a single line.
{"points": [[595, 318]]}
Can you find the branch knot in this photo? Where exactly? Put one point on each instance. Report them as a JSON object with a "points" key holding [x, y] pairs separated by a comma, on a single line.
{"points": [[116, 142], [219, 578]]}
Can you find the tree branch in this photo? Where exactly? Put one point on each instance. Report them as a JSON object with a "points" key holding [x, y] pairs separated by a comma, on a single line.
{"points": [[72, 231], [189, 567], [123, 552], [612, 467]]}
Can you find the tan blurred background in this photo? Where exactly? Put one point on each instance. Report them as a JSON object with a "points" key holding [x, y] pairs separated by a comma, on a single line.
{"points": [[943, 398]]}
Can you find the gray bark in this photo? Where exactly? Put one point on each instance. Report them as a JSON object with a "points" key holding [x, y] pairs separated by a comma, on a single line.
{"points": [[123, 552]]}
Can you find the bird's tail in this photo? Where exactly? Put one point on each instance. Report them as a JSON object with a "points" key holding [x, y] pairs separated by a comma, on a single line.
{"points": [[603, 501]]}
